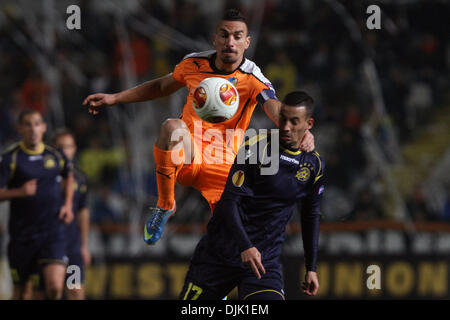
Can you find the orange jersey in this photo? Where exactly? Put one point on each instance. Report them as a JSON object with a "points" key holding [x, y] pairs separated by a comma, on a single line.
{"points": [[251, 84], [218, 153]]}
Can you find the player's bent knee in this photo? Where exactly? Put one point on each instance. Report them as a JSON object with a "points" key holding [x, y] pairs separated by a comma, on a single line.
{"points": [[170, 125], [54, 293], [265, 295], [54, 289], [172, 131]]}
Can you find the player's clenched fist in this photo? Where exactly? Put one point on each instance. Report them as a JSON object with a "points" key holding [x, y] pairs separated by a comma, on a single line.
{"points": [[29, 188], [66, 214], [98, 100], [311, 284]]}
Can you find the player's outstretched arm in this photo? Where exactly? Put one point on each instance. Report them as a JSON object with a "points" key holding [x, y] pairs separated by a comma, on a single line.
{"points": [[153, 89]]}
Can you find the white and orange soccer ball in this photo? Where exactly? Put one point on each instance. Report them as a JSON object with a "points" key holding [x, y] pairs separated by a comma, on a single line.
{"points": [[215, 99]]}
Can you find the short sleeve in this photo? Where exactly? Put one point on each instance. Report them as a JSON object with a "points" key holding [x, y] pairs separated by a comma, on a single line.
{"points": [[67, 166], [239, 182], [180, 71], [265, 93], [82, 202], [263, 88], [312, 201], [241, 175]]}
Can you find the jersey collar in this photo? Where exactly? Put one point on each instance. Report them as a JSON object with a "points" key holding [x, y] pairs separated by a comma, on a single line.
{"points": [[291, 152], [39, 150]]}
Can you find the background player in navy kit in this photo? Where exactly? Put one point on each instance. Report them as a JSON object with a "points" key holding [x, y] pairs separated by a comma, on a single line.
{"points": [[244, 237], [77, 232], [31, 176]]}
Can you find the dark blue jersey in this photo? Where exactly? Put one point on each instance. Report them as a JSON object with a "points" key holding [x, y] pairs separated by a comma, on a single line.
{"points": [[79, 202], [255, 208], [33, 216]]}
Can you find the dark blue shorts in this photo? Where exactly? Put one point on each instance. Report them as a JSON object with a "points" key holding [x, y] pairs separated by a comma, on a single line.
{"points": [[26, 257], [207, 281]]}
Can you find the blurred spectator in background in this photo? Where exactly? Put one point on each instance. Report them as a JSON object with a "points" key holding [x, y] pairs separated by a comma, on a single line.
{"points": [[417, 206], [6, 123], [95, 158], [141, 55], [35, 93], [107, 205], [367, 207], [446, 210], [282, 73]]}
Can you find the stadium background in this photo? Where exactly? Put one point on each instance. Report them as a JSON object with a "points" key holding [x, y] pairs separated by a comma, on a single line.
{"points": [[382, 125]]}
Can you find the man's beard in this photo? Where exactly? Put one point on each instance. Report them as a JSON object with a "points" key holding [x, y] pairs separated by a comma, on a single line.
{"points": [[228, 59], [286, 145]]}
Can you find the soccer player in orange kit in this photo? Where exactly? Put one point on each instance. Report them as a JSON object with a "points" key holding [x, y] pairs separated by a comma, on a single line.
{"points": [[179, 151]]}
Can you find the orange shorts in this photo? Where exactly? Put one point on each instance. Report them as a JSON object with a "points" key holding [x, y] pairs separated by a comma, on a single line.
{"points": [[208, 172]]}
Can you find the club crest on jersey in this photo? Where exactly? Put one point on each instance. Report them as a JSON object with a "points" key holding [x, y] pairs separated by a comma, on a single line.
{"points": [[304, 173], [238, 178], [49, 162], [233, 80]]}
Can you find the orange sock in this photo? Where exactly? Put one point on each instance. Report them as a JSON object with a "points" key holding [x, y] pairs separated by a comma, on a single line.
{"points": [[166, 174]]}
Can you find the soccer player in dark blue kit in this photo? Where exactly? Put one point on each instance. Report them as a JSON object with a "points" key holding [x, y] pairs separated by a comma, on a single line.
{"points": [[31, 178], [77, 232], [244, 238]]}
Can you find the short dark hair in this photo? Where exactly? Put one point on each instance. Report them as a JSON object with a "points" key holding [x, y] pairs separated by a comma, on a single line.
{"points": [[233, 15], [27, 112], [300, 98], [61, 132]]}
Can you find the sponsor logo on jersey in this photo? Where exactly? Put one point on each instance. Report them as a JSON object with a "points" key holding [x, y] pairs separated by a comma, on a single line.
{"points": [[283, 157], [238, 178], [35, 158]]}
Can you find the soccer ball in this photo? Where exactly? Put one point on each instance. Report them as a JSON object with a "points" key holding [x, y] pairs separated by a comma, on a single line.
{"points": [[215, 100]]}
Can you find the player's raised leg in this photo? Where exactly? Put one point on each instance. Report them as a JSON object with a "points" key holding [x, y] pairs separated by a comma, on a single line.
{"points": [[173, 148]]}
